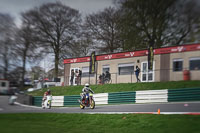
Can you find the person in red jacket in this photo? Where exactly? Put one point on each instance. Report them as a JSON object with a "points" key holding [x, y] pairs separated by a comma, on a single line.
{"points": [[48, 92]]}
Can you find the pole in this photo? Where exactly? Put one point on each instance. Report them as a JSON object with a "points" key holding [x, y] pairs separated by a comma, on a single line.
{"points": [[96, 71], [89, 78], [131, 77]]}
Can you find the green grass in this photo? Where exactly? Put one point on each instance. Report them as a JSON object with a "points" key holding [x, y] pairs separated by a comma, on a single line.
{"points": [[75, 90], [98, 123]]}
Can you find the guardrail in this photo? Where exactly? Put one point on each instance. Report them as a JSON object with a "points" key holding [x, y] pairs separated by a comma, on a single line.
{"points": [[151, 96], [71, 100], [148, 96], [186, 94], [121, 97], [101, 98], [57, 101], [37, 100]]}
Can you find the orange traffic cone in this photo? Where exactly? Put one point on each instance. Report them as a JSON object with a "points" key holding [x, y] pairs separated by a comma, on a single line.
{"points": [[158, 111]]}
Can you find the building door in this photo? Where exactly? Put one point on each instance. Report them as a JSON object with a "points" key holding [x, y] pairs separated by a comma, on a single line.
{"points": [[146, 76], [164, 67], [76, 71]]}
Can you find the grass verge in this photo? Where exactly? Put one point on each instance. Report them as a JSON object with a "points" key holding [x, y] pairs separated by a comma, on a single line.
{"points": [[98, 123], [75, 90]]}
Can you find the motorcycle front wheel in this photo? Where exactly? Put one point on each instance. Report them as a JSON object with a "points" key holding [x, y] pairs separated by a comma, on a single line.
{"points": [[49, 104], [92, 105]]}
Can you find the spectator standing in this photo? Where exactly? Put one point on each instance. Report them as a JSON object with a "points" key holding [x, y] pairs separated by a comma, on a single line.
{"points": [[79, 77], [100, 79], [137, 72], [103, 78], [108, 76], [76, 79], [72, 77]]}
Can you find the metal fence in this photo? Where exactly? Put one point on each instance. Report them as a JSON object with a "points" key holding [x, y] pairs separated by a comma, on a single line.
{"points": [[130, 77], [99, 79]]}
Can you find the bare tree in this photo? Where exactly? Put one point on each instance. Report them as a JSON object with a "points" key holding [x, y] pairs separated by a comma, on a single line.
{"points": [[83, 46], [37, 72], [102, 26], [56, 26], [184, 23], [156, 22], [7, 31], [26, 48]]}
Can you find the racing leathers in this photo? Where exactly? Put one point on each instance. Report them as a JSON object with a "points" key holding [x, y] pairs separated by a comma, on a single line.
{"points": [[45, 96], [86, 94]]}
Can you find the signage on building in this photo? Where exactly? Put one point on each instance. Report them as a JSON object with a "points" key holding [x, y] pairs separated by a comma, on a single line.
{"points": [[77, 60], [92, 63], [166, 50]]}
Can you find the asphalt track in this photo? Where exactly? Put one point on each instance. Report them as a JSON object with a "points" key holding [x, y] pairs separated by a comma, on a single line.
{"points": [[165, 108]]}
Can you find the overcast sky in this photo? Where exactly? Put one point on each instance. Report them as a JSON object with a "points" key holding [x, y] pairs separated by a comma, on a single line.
{"points": [[15, 7]]}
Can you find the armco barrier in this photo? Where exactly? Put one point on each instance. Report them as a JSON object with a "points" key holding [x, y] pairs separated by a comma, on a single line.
{"points": [[57, 101], [101, 98], [71, 100], [186, 94], [37, 100], [151, 96], [121, 97]]}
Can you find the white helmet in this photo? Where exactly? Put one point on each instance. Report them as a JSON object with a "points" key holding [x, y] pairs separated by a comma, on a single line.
{"points": [[87, 85]]}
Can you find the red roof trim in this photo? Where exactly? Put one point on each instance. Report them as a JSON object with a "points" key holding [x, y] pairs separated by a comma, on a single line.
{"points": [[4, 79], [166, 50]]}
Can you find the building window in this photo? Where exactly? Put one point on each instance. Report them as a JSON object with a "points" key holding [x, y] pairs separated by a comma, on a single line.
{"points": [[3, 84], [146, 75], [85, 72], [195, 63], [126, 69], [106, 68], [177, 65]]}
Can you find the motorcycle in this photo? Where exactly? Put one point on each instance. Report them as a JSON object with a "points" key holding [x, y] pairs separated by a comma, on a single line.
{"points": [[87, 101], [47, 103]]}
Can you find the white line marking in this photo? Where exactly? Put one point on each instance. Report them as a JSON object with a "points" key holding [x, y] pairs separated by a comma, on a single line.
{"points": [[166, 113], [118, 112], [111, 105], [36, 106]]}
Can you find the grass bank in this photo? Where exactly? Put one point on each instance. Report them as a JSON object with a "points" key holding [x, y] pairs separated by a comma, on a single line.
{"points": [[75, 90], [98, 123]]}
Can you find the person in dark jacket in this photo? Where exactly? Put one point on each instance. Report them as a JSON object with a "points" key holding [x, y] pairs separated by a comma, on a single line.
{"points": [[79, 77], [72, 77], [137, 72]]}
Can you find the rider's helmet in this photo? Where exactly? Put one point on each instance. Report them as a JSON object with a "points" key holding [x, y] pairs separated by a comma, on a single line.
{"points": [[87, 85]]}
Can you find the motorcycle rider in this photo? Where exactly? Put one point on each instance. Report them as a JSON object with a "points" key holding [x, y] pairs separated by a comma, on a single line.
{"points": [[86, 93], [48, 92]]}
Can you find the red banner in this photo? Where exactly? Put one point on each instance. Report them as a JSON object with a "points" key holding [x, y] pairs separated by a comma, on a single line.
{"points": [[77, 60], [122, 55], [174, 49]]}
